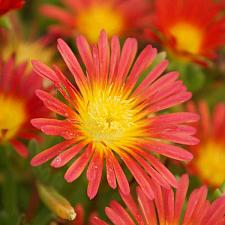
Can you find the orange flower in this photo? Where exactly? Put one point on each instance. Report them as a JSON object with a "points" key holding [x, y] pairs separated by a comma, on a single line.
{"points": [[91, 16], [208, 163], [107, 115], [167, 208], [190, 29], [7, 5], [18, 104]]}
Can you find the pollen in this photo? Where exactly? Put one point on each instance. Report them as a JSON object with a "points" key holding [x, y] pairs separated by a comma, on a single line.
{"points": [[91, 21], [108, 118], [12, 116], [188, 37], [210, 163]]}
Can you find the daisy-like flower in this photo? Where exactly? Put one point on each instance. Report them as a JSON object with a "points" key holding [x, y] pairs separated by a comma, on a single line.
{"points": [[107, 115], [7, 5], [167, 208], [208, 163], [91, 16], [18, 104], [25, 51], [190, 29]]}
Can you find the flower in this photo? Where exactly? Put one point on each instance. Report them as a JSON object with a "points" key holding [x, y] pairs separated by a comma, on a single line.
{"points": [[208, 163], [90, 17], [167, 207], [25, 51], [18, 104], [106, 115], [191, 29], [7, 5]]}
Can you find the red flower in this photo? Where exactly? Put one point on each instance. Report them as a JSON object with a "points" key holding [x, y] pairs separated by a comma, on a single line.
{"points": [[7, 5], [208, 163], [107, 115], [91, 16], [167, 208], [190, 29], [18, 104]]}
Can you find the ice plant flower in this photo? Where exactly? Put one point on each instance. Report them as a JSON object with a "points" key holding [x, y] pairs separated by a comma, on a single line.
{"points": [[191, 30], [7, 5], [25, 51], [90, 17], [107, 116], [18, 104], [208, 163], [166, 208]]}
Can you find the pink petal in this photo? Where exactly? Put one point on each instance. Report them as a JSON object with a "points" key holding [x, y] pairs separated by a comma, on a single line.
{"points": [[20, 148], [94, 174], [110, 173], [147, 207], [122, 213], [49, 153], [86, 55], [171, 151], [44, 71], [79, 165], [72, 63], [138, 174], [54, 104], [120, 176], [143, 61], [127, 57], [104, 55], [152, 76], [64, 157], [115, 57]]}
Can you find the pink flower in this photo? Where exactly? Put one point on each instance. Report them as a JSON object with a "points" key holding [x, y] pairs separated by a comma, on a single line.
{"points": [[107, 115]]}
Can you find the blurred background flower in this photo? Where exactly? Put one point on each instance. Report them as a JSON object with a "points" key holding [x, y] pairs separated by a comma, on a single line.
{"points": [[191, 30], [7, 5], [18, 104], [209, 155], [89, 17]]}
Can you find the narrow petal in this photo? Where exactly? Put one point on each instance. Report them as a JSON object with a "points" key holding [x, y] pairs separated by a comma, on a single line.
{"points": [[79, 165], [54, 104], [64, 157], [49, 153], [20, 148], [94, 174]]}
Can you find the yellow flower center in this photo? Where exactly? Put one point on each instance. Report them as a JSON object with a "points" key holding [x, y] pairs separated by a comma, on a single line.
{"points": [[91, 21], [108, 119], [210, 163], [12, 116], [188, 37]]}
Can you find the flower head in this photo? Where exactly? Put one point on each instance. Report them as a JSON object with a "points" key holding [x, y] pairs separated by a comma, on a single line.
{"points": [[90, 17], [208, 163], [190, 29], [107, 115], [167, 208], [7, 5], [18, 104], [25, 51]]}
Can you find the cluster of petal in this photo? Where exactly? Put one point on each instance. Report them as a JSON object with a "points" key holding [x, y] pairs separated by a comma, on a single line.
{"points": [[90, 17], [189, 29], [7, 5], [209, 155], [108, 116], [19, 104], [167, 208]]}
